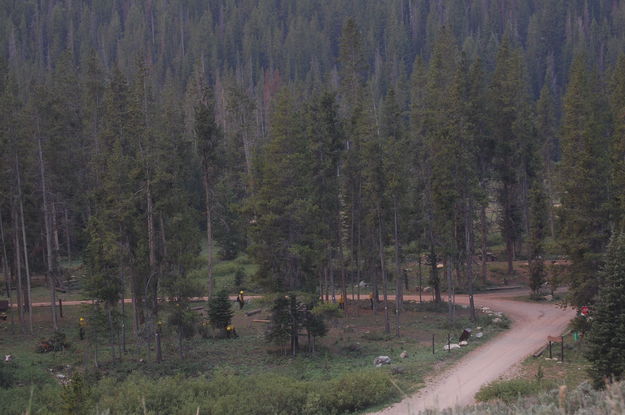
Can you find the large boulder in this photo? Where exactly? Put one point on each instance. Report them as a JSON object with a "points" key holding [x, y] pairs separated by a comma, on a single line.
{"points": [[381, 360]]}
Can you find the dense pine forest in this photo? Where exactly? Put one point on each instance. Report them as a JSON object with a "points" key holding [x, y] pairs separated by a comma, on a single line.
{"points": [[327, 140]]}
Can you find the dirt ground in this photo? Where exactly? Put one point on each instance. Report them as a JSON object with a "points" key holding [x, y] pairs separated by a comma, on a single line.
{"points": [[531, 324]]}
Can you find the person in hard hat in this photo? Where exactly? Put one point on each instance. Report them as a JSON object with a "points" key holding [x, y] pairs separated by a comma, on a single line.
{"points": [[342, 302], [81, 331], [241, 300], [231, 332]]}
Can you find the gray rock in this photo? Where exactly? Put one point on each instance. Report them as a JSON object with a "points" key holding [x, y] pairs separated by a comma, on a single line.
{"points": [[381, 360], [479, 335], [451, 346], [404, 354]]}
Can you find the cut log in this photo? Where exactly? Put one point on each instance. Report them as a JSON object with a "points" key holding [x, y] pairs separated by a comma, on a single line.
{"points": [[540, 351], [252, 312], [261, 321]]}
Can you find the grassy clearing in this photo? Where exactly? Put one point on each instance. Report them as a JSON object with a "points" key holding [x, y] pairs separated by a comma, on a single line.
{"points": [[349, 348]]}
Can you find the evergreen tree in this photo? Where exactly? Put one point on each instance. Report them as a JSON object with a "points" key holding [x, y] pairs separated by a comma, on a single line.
{"points": [[279, 330], [220, 310], [618, 143], [209, 138], [283, 229], [538, 230], [606, 350], [510, 117], [585, 181]]}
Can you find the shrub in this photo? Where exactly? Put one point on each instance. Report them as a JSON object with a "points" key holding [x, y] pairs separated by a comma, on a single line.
{"points": [[507, 391], [251, 395], [7, 375], [359, 390]]}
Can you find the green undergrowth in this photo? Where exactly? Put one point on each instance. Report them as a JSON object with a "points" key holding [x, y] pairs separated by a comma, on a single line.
{"points": [[581, 400], [337, 374], [225, 393]]}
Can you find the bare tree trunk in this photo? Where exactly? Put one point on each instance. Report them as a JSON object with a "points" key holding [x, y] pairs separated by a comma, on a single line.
{"points": [[209, 235], [5, 262], [28, 297], [398, 285], [468, 231], [109, 317], [5, 268], [332, 283], [18, 266], [450, 288], [152, 263], [420, 280], [123, 306], [387, 323], [50, 256], [68, 243], [55, 231], [484, 240]]}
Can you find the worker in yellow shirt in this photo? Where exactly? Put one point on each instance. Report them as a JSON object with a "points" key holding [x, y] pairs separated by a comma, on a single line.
{"points": [[82, 323], [231, 332]]}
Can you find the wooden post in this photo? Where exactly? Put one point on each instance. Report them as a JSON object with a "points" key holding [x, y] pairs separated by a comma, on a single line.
{"points": [[61, 307], [549, 349], [433, 352], [448, 343]]}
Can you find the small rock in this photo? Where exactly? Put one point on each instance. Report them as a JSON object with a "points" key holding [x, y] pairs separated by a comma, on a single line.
{"points": [[427, 289], [8, 357], [548, 297], [478, 328], [363, 284], [463, 343], [397, 370], [479, 335], [497, 320], [381, 360], [404, 354], [60, 376], [354, 347], [451, 346]]}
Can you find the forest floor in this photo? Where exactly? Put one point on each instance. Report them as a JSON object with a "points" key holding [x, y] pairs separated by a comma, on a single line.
{"points": [[351, 344]]}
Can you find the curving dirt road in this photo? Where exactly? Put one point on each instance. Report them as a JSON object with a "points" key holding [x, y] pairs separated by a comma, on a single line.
{"points": [[531, 324]]}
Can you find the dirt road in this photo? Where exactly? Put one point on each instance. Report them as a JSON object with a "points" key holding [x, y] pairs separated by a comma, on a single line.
{"points": [[531, 324]]}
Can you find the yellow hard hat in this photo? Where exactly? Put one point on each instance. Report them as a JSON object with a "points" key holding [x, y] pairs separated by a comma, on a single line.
{"points": [[240, 292]]}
